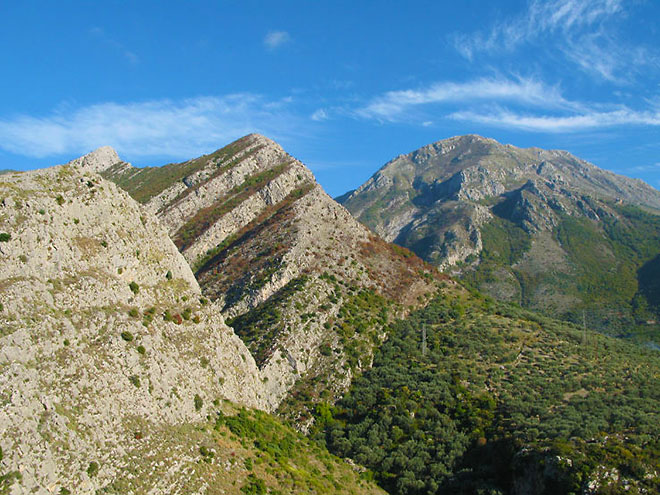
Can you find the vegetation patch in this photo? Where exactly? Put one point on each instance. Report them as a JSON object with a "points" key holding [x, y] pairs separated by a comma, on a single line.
{"points": [[267, 220], [259, 327], [206, 217], [470, 397], [145, 183]]}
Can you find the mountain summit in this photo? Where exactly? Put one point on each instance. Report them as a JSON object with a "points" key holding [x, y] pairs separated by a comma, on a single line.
{"points": [[97, 160], [306, 286], [541, 228]]}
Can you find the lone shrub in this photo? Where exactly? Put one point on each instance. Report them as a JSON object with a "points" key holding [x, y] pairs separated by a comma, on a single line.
{"points": [[168, 275], [141, 349], [93, 469], [135, 380], [199, 402], [206, 453], [127, 336], [187, 313], [133, 313], [135, 288], [254, 486], [4, 237], [60, 199]]}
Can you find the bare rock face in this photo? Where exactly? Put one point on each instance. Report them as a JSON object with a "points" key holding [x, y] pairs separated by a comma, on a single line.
{"points": [[104, 332], [97, 160], [473, 169], [281, 258]]}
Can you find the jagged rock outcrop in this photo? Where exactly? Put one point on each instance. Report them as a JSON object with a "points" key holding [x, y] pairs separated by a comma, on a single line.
{"points": [[97, 160], [503, 210], [282, 258], [105, 337]]}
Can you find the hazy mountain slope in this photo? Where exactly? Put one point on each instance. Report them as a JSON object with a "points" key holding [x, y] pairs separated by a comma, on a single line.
{"points": [[541, 228], [467, 396], [284, 260]]}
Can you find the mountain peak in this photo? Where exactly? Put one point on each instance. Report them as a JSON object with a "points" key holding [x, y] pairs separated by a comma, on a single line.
{"points": [[98, 160]]}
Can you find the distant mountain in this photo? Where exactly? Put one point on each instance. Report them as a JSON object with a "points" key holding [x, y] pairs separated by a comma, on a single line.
{"points": [[540, 228], [305, 285]]}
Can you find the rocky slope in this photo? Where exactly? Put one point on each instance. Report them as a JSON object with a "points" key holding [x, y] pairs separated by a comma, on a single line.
{"points": [[523, 220], [111, 360], [305, 285]]}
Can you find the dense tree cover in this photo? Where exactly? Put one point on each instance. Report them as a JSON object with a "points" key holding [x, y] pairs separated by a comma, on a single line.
{"points": [[495, 397]]}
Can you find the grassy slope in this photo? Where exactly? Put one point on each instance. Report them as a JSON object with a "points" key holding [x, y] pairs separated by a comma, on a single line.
{"points": [[500, 397], [145, 183], [612, 265], [239, 451]]}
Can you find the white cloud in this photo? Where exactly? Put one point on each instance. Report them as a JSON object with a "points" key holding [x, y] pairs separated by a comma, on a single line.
{"points": [[275, 39], [562, 17], [525, 104], [181, 128], [561, 123], [393, 105], [582, 31], [320, 115]]}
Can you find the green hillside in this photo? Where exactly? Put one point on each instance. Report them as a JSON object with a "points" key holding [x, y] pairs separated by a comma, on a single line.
{"points": [[498, 400], [609, 278]]}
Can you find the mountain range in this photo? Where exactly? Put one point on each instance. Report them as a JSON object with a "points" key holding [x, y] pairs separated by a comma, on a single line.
{"points": [[177, 329], [540, 228]]}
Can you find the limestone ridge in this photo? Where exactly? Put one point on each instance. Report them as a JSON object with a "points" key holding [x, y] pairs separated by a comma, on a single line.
{"points": [[450, 201], [97, 160], [102, 333], [283, 259]]}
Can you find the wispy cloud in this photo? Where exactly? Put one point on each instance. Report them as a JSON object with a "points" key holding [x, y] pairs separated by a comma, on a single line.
{"points": [[524, 103], [320, 115], [154, 128], [120, 48], [393, 105], [582, 31], [560, 123], [275, 39], [563, 17]]}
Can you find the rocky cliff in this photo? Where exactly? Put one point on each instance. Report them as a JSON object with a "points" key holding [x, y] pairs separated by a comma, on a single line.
{"points": [[117, 375], [541, 228], [290, 267], [87, 357]]}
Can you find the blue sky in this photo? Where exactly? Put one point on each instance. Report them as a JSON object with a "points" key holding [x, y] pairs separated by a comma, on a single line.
{"points": [[344, 86]]}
